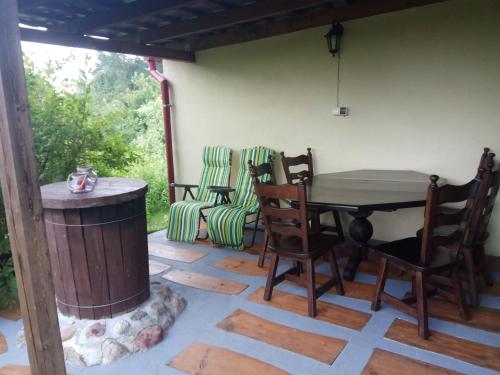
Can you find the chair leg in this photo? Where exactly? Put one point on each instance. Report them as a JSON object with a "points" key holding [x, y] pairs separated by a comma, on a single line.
{"points": [[379, 287], [471, 276], [422, 315], [338, 225], [457, 290], [256, 227], [483, 265], [336, 273], [262, 254], [271, 276], [311, 288]]}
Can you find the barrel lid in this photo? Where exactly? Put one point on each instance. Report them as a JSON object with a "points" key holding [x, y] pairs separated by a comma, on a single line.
{"points": [[108, 191]]}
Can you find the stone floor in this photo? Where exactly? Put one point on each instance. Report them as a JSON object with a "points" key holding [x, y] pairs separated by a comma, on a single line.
{"points": [[227, 329]]}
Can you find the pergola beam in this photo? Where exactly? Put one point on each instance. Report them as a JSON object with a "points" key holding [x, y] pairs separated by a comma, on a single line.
{"points": [[231, 17], [356, 9], [125, 13], [23, 206], [111, 45]]}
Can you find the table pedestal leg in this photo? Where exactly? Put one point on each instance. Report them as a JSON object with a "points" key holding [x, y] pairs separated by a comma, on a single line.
{"points": [[360, 230]]}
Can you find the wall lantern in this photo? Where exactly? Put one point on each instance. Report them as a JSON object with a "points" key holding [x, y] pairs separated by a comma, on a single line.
{"points": [[333, 37]]}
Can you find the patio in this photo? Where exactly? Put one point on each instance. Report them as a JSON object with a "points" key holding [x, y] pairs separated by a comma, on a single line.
{"points": [[346, 337], [403, 63]]}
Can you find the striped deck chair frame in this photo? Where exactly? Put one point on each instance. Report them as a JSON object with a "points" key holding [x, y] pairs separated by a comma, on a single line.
{"points": [[185, 216], [227, 222]]}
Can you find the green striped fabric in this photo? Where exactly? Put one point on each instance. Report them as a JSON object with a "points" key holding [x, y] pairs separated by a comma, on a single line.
{"points": [[184, 216], [226, 222]]}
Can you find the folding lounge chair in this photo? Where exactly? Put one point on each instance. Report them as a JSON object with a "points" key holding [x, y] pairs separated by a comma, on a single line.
{"points": [[185, 215], [226, 223]]}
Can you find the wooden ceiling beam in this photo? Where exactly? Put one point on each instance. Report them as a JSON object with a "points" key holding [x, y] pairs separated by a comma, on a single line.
{"points": [[110, 45], [235, 16], [127, 12], [356, 9]]}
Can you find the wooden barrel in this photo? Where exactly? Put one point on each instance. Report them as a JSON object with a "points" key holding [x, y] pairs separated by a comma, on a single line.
{"points": [[98, 247]]}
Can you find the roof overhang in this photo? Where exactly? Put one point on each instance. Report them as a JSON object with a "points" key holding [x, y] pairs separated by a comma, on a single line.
{"points": [[177, 29]]}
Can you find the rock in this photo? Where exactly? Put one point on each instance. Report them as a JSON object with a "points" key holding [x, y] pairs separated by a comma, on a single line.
{"points": [[177, 304], [20, 339], [166, 320], [112, 351], [121, 327], [71, 356], [158, 308], [138, 315], [67, 333], [148, 337], [162, 291], [97, 329]]}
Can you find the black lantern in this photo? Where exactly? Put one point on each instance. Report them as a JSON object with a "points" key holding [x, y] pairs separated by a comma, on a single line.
{"points": [[333, 37]]}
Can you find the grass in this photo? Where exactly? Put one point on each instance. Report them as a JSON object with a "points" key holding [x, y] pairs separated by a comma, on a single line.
{"points": [[157, 220]]}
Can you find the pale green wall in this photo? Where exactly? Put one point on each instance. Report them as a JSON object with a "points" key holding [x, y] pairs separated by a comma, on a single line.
{"points": [[422, 85]]}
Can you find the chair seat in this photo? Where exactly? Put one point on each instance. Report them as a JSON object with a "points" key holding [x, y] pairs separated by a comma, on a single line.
{"points": [[407, 253], [319, 244]]}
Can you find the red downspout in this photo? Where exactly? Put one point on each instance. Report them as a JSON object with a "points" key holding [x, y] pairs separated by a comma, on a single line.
{"points": [[167, 125]]}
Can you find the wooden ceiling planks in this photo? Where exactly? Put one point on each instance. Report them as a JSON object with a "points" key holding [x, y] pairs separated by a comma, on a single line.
{"points": [[174, 29]]}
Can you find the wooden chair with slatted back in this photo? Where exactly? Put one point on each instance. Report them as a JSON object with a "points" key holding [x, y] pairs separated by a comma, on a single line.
{"points": [[307, 174], [257, 171], [430, 254], [475, 259], [289, 238]]}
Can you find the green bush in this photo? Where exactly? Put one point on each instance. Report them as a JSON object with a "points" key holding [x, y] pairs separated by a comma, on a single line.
{"points": [[8, 288]]}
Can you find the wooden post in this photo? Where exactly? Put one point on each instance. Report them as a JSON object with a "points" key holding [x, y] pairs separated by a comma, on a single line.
{"points": [[23, 206]]}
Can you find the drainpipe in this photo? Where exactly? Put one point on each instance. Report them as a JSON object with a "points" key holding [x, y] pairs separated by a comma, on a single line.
{"points": [[167, 125]]}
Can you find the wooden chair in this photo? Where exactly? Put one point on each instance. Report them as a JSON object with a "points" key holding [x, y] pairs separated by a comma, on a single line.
{"points": [[475, 260], [308, 175], [289, 237], [429, 255]]}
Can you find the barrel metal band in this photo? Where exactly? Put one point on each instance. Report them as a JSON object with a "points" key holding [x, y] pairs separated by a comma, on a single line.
{"points": [[96, 224], [106, 305]]}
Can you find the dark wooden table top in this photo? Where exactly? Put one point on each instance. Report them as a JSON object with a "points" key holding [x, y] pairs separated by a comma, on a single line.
{"points": [[368, 190], [108, 191]]}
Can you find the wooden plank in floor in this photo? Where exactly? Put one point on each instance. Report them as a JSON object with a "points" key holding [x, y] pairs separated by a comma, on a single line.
{"points": [[353, 289], [386, 363], [203, 359], [15, 370], [321, 348], [14, 313], [174, 253], [3, 344], [242, 266], [327, 312], [479, 317], [156, 268], [205, 282], [468, 351]]}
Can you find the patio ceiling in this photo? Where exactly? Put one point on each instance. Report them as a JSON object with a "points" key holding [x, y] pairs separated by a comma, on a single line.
{"points": [[176, 29]]}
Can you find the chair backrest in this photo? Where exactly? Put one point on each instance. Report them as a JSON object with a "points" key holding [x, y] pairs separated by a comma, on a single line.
{"points": [[435, 217], [244, 194], [488, 191], [288, 222], [293, 161], [215, 172]]}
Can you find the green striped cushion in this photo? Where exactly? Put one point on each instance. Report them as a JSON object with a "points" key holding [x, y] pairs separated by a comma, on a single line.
{"points": [[225, 223], [184, 216], [184, 219], [216, 171]]}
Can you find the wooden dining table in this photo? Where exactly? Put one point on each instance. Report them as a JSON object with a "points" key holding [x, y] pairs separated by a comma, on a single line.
{"points": [[360, 193]]}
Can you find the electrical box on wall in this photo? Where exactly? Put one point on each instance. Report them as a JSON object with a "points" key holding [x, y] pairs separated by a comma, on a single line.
{"points": [[341, 111]]}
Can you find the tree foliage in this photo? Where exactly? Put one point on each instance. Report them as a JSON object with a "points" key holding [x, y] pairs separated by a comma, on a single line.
{"points": [[112, 120]]}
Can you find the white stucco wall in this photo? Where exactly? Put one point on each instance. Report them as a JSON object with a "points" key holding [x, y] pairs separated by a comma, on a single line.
{"points": [[422, 85]]}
